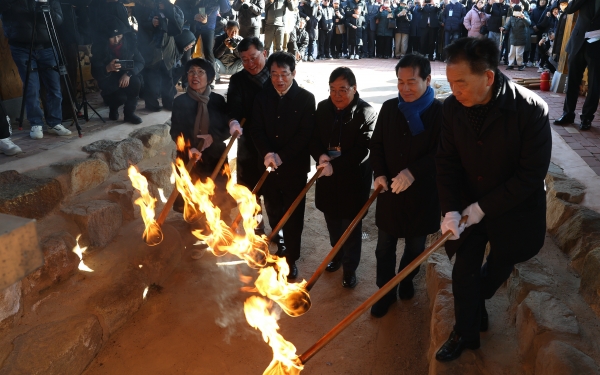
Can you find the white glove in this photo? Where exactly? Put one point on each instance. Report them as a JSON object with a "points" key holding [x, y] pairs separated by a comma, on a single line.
{"points": [[475, 214], [324, 158], [402, 181], [270, 160], [451, 223], [208, 140], [234, 126], [194, 151], [381, 181], [327, 169]]}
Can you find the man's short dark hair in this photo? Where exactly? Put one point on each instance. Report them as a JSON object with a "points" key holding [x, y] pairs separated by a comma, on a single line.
{"points": [[204, 65], [245, 44], [480, 54], [231, 24], [415, 60], [282, 59], [343, 72]]}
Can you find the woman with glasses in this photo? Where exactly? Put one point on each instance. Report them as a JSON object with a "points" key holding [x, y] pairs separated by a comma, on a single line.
{"points": [[340, 142], [200, 115]]}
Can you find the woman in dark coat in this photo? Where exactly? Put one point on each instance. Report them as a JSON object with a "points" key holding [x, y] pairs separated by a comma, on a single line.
{"points": [[118, 86], [198, 115], [403, 147], [354, 27], [344, 123]]}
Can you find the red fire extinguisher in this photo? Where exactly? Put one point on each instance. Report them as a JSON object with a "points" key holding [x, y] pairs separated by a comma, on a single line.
{"points": [[545, 81]]}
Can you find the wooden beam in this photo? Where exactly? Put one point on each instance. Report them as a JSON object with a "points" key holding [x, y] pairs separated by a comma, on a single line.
{"points": [[11, 86], [563, 67]]}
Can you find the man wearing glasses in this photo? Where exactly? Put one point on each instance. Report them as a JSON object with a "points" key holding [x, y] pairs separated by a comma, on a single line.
{"points": [[282, 124]]}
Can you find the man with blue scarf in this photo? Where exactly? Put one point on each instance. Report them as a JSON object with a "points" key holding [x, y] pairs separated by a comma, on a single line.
{"points": [[403, 147]]}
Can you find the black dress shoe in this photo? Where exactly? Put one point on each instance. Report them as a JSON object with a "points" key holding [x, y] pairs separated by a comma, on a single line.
{"points": [[565, 119], [293, 271], [380, 308], [280, 248], [585, 124], [484, 321], [152, 108], [133, 118], [406, 290], [454, 347], [334, 265], [349, 280], [113, 113]]}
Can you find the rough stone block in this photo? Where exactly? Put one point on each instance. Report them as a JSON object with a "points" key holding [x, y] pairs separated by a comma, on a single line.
{"points": [[57, 348], [558, 358], [528, 276], [118, 302], [21, 195], [60, 263], [153, 137], [438, 275], [20, 253], [542, 318], [99, 221], [84, 174], [442, 319], [124, 198], [563, 187], [159, 178], [119, 155], [569, 235], [589, 287], [557, 212], [10, 304]]}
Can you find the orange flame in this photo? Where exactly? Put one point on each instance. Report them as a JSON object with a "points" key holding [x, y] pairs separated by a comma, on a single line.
{"points": [[260, 316], [182, 145], [152, 234]]}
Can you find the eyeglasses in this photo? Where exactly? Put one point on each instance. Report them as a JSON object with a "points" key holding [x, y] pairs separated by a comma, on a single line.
{"points": [[342, 92], [280, 76], [251, 60], [197, 73]]}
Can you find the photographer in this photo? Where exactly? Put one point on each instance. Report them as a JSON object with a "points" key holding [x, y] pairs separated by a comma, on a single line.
{"points": [[249, 16], [298, 41], [275, 11], [310, 10], [120, 85], [544, 51], [159, 21], [325, 30], [17, 19], [228, 58], [429, 25]]}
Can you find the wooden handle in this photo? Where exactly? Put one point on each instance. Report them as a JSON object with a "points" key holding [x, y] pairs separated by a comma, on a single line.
{"points": [[342, 240], [224, 155], [376, 297], [256, 189]]}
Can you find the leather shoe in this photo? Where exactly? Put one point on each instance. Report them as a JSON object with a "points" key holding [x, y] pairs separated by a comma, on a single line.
{"points": [[565, 119], [132, 118], [585, 124], [454, 347], [293, 271], [113, 113], [484, 321], [406, 290], [380, 308], [349, 280], [334, 265]]}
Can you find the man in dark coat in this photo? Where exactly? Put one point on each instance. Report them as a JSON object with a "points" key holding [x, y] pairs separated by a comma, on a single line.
{"points": [[325, 30], [340, 142], [581, 55], [310, 10], [497, 11], [403, 146], [249, 16], [414, 41], [429, 25], [298, 40], [452, 20], [372, 10], [282, 123], [493, 157]]}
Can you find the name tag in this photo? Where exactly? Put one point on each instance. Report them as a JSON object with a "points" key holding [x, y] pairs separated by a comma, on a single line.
{"points": [[450, 13]]}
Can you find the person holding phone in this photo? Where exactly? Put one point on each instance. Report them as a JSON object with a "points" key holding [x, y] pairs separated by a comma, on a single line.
{"points": [[206, 21], [119, 85]]}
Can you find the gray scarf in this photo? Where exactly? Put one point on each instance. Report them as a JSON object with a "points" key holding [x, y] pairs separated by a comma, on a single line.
{"points": [[202, 122]]}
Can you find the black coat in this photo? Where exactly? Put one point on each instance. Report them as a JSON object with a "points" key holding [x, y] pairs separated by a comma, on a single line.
{"points": [[587, 20], [17, 21], [249, 12], [415, 211], [240, 100], [102, 56], [402, 22], [496, 12], [183, 117], [431, 13], [284, 126], [156, 43], [416, 19], [355, 35], [503, 168], [343, 194]]}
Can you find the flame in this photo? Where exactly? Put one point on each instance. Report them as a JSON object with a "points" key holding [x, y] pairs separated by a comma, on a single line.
{"points": [[145, 293], [79, 251], [182, 145], [161, 194], [152, 234], [260, 316]]}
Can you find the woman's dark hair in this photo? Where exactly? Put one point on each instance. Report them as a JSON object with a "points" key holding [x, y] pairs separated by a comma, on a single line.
{"points": [[231, 24], [480, 54], [345, 73], [204, 65], [282, 59], [245, 44], [415, 60]]}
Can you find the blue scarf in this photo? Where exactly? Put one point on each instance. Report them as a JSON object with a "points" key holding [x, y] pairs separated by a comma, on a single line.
{"points": [[412, 111]]}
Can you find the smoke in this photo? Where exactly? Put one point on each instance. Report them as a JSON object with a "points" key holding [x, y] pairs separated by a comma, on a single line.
{"points": [[230, 301]]}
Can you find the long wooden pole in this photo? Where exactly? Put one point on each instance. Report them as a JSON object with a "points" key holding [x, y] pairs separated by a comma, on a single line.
{"points": [[342, 240], [304, 357], [255, 191], [295, 204], [224, 155]]}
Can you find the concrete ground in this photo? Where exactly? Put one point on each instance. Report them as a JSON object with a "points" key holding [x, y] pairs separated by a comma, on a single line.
{"points": [[194, 324]]}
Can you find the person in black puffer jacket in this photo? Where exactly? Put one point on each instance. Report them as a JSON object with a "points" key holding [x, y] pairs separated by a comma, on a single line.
{"points": [[119, 86]]}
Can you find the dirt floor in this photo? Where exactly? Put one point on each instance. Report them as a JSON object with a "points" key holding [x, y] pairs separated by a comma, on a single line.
{"points": [[196, 325]]}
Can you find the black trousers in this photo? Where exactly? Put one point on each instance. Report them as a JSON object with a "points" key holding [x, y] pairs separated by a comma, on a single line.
{"points": [[372, 35], [385, 253], [414, 43], [428, 37], [336, 44], [384, 46], [127, 96], [249, 32], [325, 42], [5, 130], [279, 193], [349, 254], [158, 83], [577, 65]]}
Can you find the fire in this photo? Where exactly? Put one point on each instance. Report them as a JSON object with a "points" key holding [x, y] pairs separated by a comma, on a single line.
{"points": [[260, 316], [79, 251], [152, 234]]}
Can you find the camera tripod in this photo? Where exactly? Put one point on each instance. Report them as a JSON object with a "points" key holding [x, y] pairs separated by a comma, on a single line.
{"points": [[44, 8], [84, 102]]}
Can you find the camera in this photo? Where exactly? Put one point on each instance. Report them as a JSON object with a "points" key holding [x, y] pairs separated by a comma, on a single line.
{"points": [[126, 64], [545, 36], [233, 43]]}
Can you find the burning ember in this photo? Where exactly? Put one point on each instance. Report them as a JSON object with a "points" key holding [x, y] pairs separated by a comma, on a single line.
{"points": [[152, 234], [79, 251]]}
